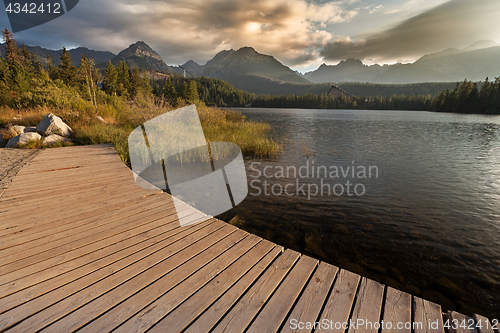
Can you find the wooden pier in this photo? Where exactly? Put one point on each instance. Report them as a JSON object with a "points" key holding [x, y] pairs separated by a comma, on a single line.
{"points": [[83, 248]]}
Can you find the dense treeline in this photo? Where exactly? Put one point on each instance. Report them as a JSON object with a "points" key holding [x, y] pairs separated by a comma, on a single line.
{"points": [[25, 83], [468, 98], [324, 101], [388, 90], [263, 86], [213, 92], [465, 98], [106, 108]]}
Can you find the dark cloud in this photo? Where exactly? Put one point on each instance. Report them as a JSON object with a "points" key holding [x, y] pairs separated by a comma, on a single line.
{"points": [[453, 24]]}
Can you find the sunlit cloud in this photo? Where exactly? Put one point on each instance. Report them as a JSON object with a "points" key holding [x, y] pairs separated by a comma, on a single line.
{"points": [[299, 33], [291, 30], [456, 23]]}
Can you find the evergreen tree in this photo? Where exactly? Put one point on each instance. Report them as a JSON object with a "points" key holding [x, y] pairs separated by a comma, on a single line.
{"points": [[12, 52], [168, 91], [135, 83], [67, 70], [111, 80], [146, 86], [4, 74], [53, 71], [485, 97], [26, 58], [192, 92], [123, 79]]}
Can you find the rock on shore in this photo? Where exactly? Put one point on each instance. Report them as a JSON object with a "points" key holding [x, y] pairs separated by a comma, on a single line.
{"points": [[52, 129]]}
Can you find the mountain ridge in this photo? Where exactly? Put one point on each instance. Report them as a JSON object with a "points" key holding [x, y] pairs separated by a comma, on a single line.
{"points": [[475, 62], [76, 54], [141, 55]]}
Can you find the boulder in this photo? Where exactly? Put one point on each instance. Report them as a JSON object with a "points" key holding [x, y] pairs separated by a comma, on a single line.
{"points": [[52, 124], [22, 129], [17, 129], [22, 139], [54, 138]]}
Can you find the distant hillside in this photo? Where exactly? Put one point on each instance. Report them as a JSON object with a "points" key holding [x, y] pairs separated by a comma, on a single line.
{"points": [[76, 54], [141, 55], [476, 62]]}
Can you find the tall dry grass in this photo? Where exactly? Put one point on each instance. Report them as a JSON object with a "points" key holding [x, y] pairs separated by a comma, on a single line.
{"points": [[218, 125]]}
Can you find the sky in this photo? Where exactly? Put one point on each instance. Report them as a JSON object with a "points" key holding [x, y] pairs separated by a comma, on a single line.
{"points": [[301, 34]]}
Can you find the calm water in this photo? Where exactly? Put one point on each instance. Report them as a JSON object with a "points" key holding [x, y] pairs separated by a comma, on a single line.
{"points": [[429, 224]]}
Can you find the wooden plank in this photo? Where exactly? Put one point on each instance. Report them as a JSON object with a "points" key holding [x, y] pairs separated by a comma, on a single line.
{"points": [[483, 324], [188, 311], [427, 316], [80, 231], [340, 302], [252, 301], [77, 211], [47, 273], [77, 214], [148, 272], [157, 309], [310, 303], [75, 246], [39, 236], [275, 311], [397, 312], [48, 202], [14, 197], [56, 182], [139, 292], [99, 166], [51, 211], [34, 198], [44, 294], [368, 307], [219, 308], [460, 323]]}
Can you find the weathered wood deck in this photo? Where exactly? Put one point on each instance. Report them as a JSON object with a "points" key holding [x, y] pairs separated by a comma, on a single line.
{"points": [[83, 248]]}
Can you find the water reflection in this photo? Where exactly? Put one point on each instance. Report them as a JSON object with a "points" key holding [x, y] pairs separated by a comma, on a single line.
{"points": [[429, 224]]}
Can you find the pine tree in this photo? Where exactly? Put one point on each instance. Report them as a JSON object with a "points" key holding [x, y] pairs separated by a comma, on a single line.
{"points": [[53, 71], [111, 80], [146, 86], [135, 83], [169, 92], [192, 92], [4, 74], [12, 52], [67, 70], [26, 58], [123, 79]]}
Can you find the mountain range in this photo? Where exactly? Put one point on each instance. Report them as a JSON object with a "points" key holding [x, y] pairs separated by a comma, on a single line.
{"points": [[246, 69], [475, 62], [42, 53], [258, 73]]}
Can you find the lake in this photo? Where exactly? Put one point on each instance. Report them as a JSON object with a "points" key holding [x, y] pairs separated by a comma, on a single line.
{"points": [[410, 199]]}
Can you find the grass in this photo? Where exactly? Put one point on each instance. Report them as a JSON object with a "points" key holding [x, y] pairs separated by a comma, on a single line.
{"points": [[218, 126]]}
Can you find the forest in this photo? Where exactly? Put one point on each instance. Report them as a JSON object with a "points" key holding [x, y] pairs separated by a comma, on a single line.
{"points": [[466, 97], [106, 107], [24, 83]]}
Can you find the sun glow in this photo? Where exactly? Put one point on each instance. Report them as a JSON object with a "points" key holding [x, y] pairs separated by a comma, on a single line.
{"points": [[253, 27]]}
